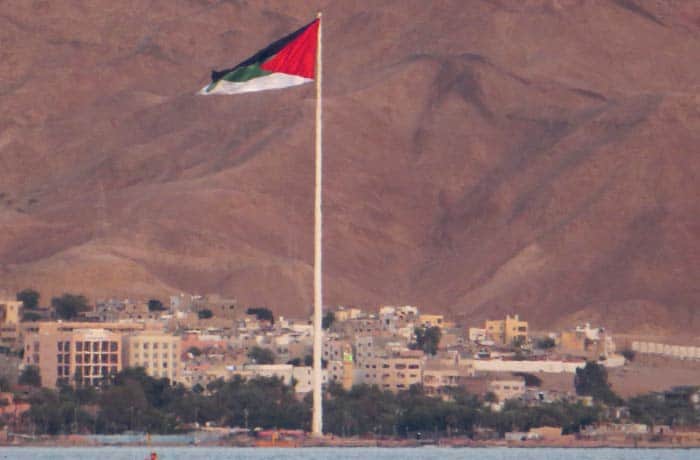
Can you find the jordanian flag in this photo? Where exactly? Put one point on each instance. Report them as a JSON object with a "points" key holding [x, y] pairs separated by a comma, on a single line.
{"points": [[290, 61]]}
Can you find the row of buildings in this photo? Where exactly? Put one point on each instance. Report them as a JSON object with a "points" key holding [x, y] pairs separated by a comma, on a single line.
{"points": [[181, 344]]}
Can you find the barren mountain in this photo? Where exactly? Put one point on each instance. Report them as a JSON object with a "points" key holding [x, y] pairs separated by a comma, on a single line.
{"points": [[481, 156]]}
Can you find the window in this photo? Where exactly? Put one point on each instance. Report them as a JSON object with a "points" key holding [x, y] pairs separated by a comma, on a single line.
{"points": [[78, 346], [155, 346], [112, 358], [400, 366], [79, 359], [113, 346], [95, 346], [146, 346], [60, 358], [413, 366], [66, 347], [60, 346]]}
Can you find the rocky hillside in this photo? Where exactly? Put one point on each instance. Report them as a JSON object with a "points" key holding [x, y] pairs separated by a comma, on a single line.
{"points": [[481, 157]]}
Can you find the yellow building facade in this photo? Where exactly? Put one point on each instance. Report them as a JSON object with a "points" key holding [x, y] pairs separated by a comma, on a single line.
{"points": [[506, 332], [157, 352]]}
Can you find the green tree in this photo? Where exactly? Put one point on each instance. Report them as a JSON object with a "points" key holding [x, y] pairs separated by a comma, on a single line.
{"points": [[205, 314], [69, 306], [156, 305], [261, 355], [427, 339], [592, 380], [328, 320], [545, 343], [262, 313], [29, 298], [194, 351], [628, 354], [30, 376], [531, 380], [30, 316], [518, 341]]}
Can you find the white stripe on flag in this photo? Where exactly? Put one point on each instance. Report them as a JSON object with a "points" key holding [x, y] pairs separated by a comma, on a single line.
{"points": [[272, 81]]}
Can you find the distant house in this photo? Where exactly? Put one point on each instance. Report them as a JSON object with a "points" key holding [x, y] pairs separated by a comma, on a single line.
{"points": [[506, 331], [506, 389]]}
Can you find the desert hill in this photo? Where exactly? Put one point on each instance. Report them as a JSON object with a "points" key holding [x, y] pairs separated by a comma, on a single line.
{"points": [[481, 157]]}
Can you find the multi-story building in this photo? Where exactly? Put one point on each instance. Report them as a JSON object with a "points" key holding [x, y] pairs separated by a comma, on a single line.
{"points": [[446, 370], [506, 332], [82, 356], [395, 370], [10, 313], [70, 352], [340, 367], [157, 352], [333, 347]]}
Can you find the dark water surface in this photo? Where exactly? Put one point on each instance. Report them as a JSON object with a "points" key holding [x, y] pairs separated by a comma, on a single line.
{"points": [[204, 453]]}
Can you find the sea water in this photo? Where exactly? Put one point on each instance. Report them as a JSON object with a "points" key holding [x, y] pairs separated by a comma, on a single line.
{"points": [[221, 453]]}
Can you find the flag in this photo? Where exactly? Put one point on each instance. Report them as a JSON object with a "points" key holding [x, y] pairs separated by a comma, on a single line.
{"points": [[290, 61]]}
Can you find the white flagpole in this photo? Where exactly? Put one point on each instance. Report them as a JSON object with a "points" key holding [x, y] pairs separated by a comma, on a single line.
{"points": [[317, 419]]}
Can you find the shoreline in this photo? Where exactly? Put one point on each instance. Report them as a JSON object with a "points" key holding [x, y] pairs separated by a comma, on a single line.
{"points": [[368, 443]]}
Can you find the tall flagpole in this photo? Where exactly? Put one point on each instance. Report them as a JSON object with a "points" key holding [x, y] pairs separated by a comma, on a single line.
{"points": [[317, 419]]}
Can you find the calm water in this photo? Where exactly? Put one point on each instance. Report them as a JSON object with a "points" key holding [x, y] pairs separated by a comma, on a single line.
{"points": [[199, 453]]}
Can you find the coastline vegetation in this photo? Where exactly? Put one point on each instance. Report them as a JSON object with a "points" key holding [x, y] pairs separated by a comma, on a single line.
{"points": [[132, 401]]}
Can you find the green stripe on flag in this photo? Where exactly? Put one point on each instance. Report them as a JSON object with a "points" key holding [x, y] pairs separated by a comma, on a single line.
{"points": [[246, 73]]}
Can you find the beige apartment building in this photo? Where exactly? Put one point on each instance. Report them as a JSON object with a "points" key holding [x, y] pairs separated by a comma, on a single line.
{"points": [[395, 371], [505, 332], [65, 357], [446, 370], [157, 352], [10, 312], [70, 352]]}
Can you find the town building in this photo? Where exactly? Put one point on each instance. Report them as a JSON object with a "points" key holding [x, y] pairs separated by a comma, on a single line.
{"points": [[506, 389], [75, 352], [395, 370], [426, 320], [157, 352], [76, 356], [346, 313], [506, 332], [10, 316], [587, 341]]}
